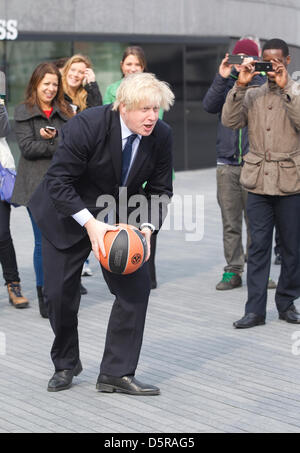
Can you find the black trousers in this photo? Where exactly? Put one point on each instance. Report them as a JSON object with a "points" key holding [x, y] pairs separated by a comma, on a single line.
{"points": [[62, 272], [7, 251], [264, 212], [151, 262]]}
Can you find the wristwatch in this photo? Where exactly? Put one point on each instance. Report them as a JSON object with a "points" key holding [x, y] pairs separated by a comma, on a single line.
{"points": [[148, 225]]}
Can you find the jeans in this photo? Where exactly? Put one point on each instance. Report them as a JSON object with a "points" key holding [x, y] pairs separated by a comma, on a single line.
{"points": [[37, 254], [7, 250]]}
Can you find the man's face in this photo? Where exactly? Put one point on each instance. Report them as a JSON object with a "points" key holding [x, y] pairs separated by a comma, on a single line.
{"points": [[142, 119], [272, 54]]}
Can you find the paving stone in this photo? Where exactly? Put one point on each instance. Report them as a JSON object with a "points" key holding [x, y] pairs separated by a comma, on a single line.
{"points": [[213, 378]]}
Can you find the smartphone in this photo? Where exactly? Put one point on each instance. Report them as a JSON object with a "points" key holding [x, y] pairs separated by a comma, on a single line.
{"points": [[263, 66], [235, 59], [50, 128]]}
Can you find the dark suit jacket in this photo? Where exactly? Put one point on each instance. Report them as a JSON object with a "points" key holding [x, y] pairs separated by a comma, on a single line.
{"points": [[88, 164]]}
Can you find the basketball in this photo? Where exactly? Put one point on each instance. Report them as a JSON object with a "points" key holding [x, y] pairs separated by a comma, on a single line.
{"points": [[126, 250]]}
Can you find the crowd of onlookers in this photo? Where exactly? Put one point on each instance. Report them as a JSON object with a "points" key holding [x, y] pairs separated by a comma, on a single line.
{"points": [[55, 93], [59, 90]]}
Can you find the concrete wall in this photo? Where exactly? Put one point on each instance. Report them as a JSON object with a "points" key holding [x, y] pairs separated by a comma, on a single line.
{"points": [[265, 18]]}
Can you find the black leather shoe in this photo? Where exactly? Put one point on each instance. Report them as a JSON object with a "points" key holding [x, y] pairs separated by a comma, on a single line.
{"points": [[291, 315], [249, 320], [62, 380], [125, 384]]}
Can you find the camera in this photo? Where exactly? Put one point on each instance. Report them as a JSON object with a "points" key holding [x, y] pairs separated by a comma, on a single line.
{"points": [[263, 66], [238, 59]]}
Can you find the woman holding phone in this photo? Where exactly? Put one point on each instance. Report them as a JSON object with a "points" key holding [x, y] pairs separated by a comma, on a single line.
{"points": [[37, 123]]}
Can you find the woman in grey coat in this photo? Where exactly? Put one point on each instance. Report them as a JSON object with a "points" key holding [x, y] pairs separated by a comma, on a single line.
{"points": [[37, 124], [7, 251]]}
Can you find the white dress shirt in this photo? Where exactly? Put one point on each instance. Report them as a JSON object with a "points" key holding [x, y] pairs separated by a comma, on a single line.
{"points": [[84, 215]]}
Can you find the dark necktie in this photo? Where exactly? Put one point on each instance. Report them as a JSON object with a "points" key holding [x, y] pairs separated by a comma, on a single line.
{"points": [[126, 157]]}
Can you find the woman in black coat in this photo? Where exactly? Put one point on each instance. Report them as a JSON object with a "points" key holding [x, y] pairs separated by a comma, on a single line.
{"points": [[44, 107], [7, 251]]}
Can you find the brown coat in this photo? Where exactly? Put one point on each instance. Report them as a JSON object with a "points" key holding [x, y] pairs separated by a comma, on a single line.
{"points": [[272, 165]]}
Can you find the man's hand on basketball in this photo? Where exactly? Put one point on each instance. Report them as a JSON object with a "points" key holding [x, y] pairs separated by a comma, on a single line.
{"points": [[147, 233], [96, 231]]}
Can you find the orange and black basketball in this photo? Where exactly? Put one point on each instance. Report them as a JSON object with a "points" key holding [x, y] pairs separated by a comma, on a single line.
{"points": [[126, 250]]}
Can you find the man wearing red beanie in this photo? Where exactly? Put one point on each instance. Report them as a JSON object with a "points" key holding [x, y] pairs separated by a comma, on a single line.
{"points": [[231, 146], [246, 47]]}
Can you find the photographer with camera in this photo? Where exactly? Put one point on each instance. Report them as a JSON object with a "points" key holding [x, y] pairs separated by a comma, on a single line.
{"points": [[231, 146], [271, 176]]}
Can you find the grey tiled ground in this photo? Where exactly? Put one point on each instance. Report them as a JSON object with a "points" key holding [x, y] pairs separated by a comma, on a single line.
{"points": [[213, 378]]}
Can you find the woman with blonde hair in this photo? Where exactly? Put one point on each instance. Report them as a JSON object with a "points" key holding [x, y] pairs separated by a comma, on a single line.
{"points": [[81, 91], [79, 83]]}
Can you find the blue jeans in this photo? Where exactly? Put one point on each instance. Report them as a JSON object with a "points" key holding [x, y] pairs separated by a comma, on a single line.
{"points": [[37, 254]]}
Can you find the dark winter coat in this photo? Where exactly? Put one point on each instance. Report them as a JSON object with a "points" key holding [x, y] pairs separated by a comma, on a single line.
{"points": [[231, 144], [36, 152], [4, 123]]}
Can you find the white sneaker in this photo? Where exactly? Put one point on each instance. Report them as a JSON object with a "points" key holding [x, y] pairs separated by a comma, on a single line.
{"points": [[86, 271]]}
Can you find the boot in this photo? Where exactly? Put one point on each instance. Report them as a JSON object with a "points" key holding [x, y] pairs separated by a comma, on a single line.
{"points": [[42, 304], [16, 297]]}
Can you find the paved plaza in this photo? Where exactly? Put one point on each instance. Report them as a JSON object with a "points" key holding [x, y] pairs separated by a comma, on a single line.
{"points": [[213, 378]]}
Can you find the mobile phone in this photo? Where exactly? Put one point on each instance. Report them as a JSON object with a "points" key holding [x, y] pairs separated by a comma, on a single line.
{"points": [[235, 59], [263, 66], [50, 128]]}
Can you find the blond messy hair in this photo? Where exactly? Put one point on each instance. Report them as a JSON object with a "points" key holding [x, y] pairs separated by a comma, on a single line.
{"points": [[143, 87], [81, 95]]}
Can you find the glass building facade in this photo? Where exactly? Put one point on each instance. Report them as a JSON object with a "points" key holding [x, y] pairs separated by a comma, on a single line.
{"points": [[189, 66]]}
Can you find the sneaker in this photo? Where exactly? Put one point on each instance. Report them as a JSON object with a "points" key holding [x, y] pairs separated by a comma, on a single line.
{"points": [[230, 280], [86, 271], [271, 284], [15, 295]]}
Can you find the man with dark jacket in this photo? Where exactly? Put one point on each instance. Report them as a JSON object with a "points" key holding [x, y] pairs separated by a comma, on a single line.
{"points": [[101, 150], [231, 146]]}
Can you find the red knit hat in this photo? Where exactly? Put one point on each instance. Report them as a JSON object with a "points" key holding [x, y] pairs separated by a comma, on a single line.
{"points": [[246, 46]]}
